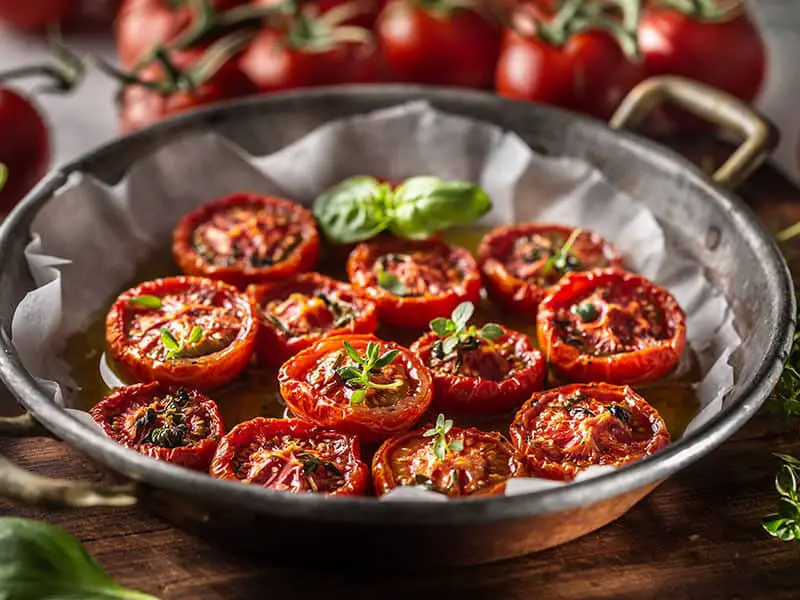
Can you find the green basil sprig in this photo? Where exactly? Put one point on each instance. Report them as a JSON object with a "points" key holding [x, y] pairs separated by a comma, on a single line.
{"points": [[361, 207], [39, 561]]}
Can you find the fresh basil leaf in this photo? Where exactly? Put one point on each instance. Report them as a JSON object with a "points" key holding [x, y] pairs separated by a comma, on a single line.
{"points": [[353, 210], [462, 314], [442, 327], [422, 206], [351, 352], [449, 344], [491, 331], [39, 561], [195, 334], [386, 359], [358, 396], [390, 283], [168, 340], [146, 301], [456, 445]]}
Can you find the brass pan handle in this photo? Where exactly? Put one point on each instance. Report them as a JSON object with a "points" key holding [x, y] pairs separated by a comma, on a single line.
{"points": [[21, 486], [716, 106]]}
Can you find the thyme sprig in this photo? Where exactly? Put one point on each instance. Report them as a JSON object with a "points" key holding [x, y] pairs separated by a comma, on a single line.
{"points": [[440, 445], [177, 347], [457, 334], [359, 376], [561, 261]]}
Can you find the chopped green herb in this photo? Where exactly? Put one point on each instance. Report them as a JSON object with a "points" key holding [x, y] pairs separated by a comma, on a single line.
{"points": [[586, 312], [146, 301]]}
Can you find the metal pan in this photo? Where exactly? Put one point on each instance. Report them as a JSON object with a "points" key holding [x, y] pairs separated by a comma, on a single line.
{"points": [[702, 213]]}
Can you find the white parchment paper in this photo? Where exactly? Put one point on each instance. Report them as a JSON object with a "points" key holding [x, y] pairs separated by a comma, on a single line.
{"points": [[88, 240]]}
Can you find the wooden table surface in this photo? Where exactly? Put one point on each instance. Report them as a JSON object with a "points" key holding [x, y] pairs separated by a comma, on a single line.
{"points": [[697, 536]]}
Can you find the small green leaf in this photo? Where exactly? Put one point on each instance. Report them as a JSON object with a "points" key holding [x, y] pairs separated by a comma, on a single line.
{"points": [[353, 210], [168, 340], [440, 448], [440, 421], [430, 432], [449, 344], [349, 373], [462, 314], [447, 426], [390, 283], [278, 323], [351, 352], [789, 460], [3, 175], [195, 334], [386, 359], [586, 312], [456, 446], [146, 301], [773, 523], [442, 327], [372, 352], [788, 508], [358, 396], [491, 331], [786, 481], [558, 260]]}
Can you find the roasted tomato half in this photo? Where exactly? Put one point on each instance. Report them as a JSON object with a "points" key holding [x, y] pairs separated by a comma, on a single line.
{"points": [[611, 326], [357, 384], [246, 238], [448, 460], [166, 422], [412, 282], [562, 431], [520, 263], [185, 330], [481, 375], [298, 311], [291, 455]]}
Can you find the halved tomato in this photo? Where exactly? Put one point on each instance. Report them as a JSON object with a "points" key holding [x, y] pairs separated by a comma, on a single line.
{"points": [[357, 384], [458, 462], [412, 282], [607, 325], [166, 422], [246, 238], [185, 330], [291, 455], [520, 263], [482, 375], [561, 432], [300, 310]]}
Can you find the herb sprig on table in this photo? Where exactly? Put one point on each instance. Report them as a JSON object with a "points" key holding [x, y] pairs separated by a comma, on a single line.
{"points": [[40, 561]]}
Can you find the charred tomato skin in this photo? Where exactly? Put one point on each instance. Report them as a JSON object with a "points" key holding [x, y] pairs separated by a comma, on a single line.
{"points": [[639, 366], [544, 429], [301, 258], [507, 288], [275, 346], [414, 311], [207, 371], [257, 434], [482, 395], [482, 455], [116, 414], [332, 409]]}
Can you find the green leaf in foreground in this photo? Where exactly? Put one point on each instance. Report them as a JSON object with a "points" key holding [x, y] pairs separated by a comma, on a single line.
{"points": [[42, 562], [785, 524]]}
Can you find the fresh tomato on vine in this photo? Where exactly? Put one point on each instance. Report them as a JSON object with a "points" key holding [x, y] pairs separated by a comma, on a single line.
{"points": [[166, 422], [560, 432], [357, 384], [612, 326], [445, 459], [712, 41], [291, 455], [312, 49], [579, 61], [35, 15], [443, 42]]}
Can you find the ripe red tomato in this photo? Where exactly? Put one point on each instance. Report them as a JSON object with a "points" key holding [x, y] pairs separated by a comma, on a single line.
{"points": [[25, 147], [612, 326], [728, 55], [482, 375], [314, 387], [438, 44], [142, 106], [35, 14], [561, 432], [297, 311], [479, 464], [413, 282], [246, 238], [588, 74], [141, 25], [185, 330], [290, 455], [162, 421], [513, 257]]}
